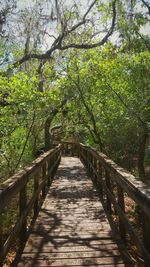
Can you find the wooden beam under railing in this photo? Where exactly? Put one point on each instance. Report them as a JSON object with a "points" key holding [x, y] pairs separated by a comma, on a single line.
{"points": [[104, 172], [42, 171]]}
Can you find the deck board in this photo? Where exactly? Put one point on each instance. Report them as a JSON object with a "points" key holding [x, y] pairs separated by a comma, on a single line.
{"points": [[72, 228]]}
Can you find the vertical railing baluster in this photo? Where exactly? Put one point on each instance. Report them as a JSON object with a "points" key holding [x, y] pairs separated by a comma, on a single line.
{"points": [[48, 169], [100, 172], [94, 168], [67, 148], [1, 240], [46, 166], [22, 208], [89, 166], [122, 229], [108, 184], [78, 150], [82, 154], [73, 150], [91, 160], [44, 183], [86, 160], [53, 172], [36, 185], [146, 237]]}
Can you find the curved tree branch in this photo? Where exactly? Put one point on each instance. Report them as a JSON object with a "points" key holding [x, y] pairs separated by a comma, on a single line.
{"points": [[88, 110], [147, 5], [99, 43], [57, 44]]}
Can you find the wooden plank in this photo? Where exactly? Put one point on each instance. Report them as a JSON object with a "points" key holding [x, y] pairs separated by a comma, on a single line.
{"points": [[105, 261], [107, 248], [41, 264], [72, 228], [72, 255], [70, 242]]}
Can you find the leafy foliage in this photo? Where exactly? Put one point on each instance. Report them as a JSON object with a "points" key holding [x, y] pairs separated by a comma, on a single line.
{"points": [[98, 96]]}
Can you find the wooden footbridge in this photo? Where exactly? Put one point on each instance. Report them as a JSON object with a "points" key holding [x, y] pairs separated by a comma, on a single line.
{"points": [[67, 218]]}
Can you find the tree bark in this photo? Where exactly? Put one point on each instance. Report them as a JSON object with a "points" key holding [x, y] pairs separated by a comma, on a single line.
{"points": [[48, 122], [48, 137]]}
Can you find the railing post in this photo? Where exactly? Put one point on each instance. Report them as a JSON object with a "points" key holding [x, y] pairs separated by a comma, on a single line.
{"points": [[122, 229], [146, 236], [1, 241], [108, 184], [94, 163], [86, 161], [91, 160], [78, 150], [62, 148], [44, 183], [96, 169], [82, 154], [36, 185], [51, 163], [72, 150], [48, 168], [67, 149], [100, 184], [53, 172], [22, 208]]}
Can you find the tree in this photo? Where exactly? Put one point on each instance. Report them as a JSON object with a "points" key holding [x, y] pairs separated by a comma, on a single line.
{"points": [[112, 100], [66, 71], [69, 25]]}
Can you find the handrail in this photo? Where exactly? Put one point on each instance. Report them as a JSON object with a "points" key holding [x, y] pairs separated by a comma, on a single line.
{"points": [[105, 174], [42, 171]]}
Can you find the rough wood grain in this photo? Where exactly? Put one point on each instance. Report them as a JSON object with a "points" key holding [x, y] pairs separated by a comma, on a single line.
{"points": [[72, 228]]}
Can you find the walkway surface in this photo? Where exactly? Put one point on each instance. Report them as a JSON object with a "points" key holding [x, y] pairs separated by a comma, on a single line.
{"points": [[72, 228]]}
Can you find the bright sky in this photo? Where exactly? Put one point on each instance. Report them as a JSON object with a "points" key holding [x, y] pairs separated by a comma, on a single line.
{"points": [[21, 4]]}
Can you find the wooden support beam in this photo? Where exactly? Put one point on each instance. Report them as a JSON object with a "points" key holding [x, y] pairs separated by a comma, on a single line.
{"points": [[43, 178], [22, 208], [36, 186], [146, 237], [122, 229], [108, 184]]}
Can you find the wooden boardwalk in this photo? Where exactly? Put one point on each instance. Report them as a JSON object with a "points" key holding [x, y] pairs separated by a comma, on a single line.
{"points": [[72, 228]]}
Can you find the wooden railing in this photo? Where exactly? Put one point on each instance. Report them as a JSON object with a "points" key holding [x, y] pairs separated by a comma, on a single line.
{"points": [[69, 148], [39, 175], [114, 183]]}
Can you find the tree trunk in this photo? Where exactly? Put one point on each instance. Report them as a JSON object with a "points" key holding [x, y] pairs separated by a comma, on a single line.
{"points": [[48, 137], [48, 122], [141, 154]]}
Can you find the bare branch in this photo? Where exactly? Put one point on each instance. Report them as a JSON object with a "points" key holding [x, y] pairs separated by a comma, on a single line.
{"points": [[57, 44], [83, 20], [101, 42], [89, 9], [147, 5]]}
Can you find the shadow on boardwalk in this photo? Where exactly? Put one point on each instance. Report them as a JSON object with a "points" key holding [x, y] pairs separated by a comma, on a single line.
{"points": [[72, 228]]}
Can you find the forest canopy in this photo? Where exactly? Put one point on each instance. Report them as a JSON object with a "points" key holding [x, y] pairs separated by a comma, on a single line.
{"points": [[78, 71]]}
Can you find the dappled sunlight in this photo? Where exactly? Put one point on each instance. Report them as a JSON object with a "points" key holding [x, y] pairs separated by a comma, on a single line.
{"points": [[72, 228]]}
